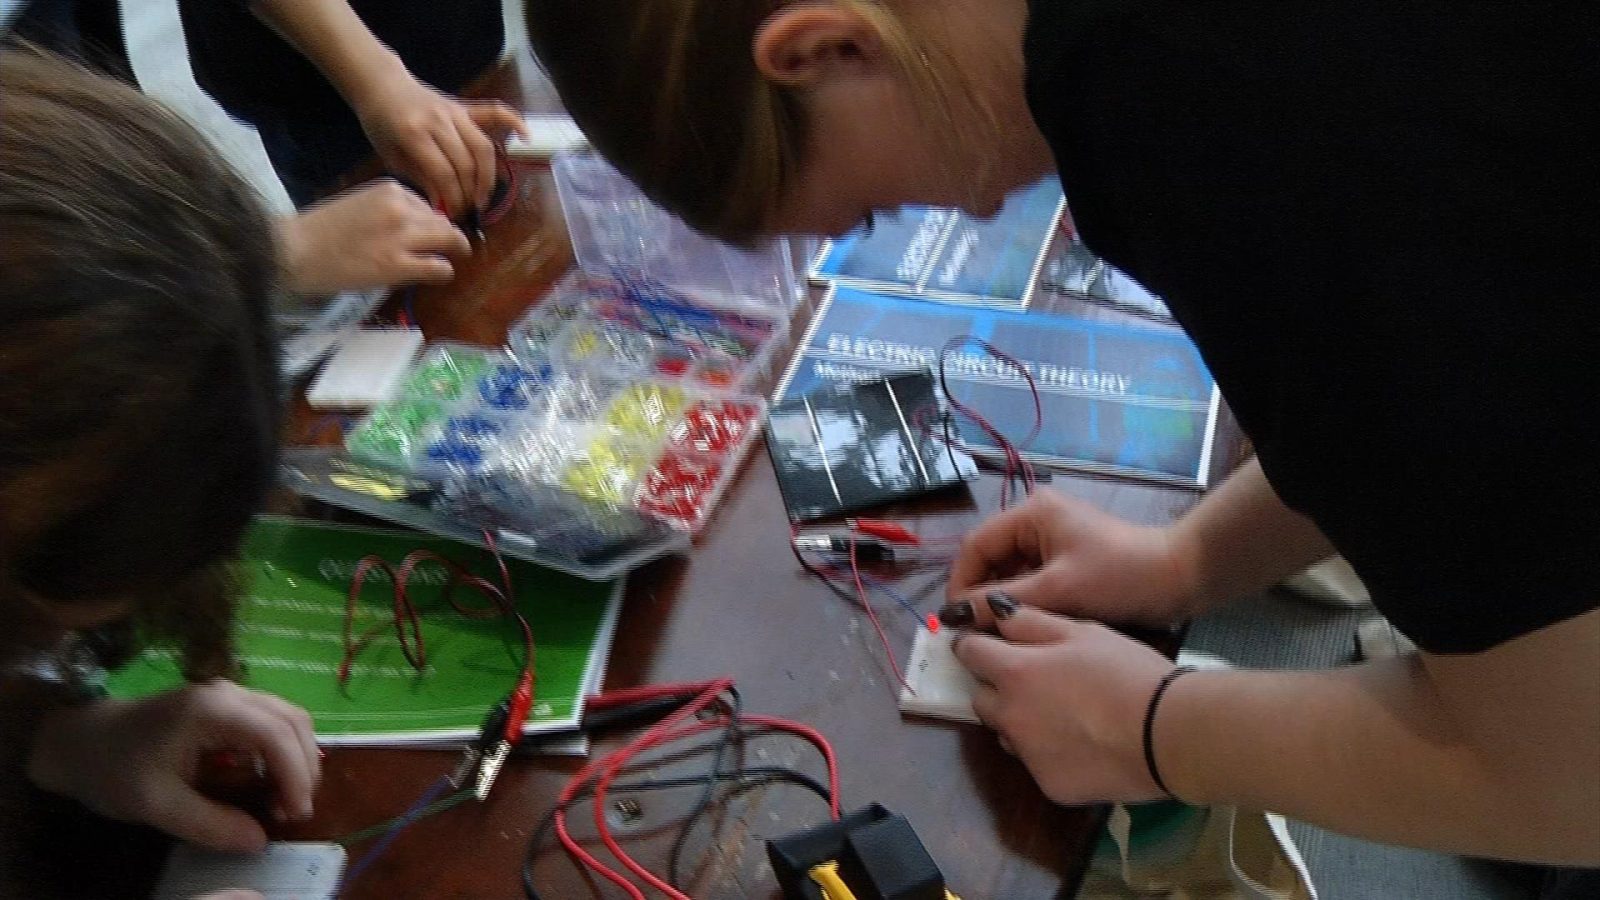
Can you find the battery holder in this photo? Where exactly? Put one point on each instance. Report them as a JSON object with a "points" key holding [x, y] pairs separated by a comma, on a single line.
{"points": [[880, 857]]}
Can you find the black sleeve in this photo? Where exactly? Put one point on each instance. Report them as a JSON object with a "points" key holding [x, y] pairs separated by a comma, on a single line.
{"points": [[1378, 223], [88, 32], [257, 75]]}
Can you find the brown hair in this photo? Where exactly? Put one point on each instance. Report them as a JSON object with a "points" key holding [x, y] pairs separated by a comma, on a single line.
{"points": [[670, 94], [138, 380]]}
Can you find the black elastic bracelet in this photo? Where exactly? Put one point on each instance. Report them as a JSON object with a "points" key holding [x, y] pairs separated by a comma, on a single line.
{"points": [[1150, 722]]}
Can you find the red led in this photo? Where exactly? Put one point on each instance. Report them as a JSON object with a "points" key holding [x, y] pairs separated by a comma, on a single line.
{"points": [[717, 377]]}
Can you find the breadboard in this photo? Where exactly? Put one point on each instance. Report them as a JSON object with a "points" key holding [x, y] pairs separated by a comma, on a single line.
{"points": [[546, 136], [940, 686], [366, 369]]}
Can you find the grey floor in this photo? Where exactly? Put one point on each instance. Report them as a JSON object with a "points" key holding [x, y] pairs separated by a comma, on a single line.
{"points": [[1281, 631]]}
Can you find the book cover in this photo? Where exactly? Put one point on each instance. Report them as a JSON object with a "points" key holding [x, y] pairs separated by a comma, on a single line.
{"points": [[934, 253], [1078, 272], [1129, 400], [297, 575]]}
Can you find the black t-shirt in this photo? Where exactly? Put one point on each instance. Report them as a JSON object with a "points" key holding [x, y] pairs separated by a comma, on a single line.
{"points": [[311, 134], [86, 31], [1377, 221], [255, 74]]}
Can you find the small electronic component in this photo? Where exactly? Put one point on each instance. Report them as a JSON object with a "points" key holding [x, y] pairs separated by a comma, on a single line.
{"points": [[936, 683]]}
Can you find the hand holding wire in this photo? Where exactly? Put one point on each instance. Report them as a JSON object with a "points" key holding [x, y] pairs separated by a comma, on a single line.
{"points": [[373, 236], [1067, 556], [443, 144], [1069, 698]]}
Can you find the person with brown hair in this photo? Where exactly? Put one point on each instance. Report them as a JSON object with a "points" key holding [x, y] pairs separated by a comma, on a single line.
{"points": [[1376, 220], [139, 415]]}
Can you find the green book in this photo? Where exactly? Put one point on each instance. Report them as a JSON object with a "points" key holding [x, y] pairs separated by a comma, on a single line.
{"points": [[291, 621]]}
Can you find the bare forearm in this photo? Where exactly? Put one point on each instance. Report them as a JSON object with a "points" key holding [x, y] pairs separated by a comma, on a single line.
{"points": [[1241, 539], [333, 37], [1371, 751]]}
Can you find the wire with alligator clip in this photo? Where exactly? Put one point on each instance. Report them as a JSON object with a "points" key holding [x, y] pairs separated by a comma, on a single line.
{"points": [[859, 598], [872, 615], [506, 718]]}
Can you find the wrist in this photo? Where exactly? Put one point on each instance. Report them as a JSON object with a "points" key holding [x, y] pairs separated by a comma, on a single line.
{"points": [[1152, 710], [1177, 728], [367, 79], [292, 253], [1185, 573]]}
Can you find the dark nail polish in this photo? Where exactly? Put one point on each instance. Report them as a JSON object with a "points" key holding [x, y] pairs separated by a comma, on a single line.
{"points": [[957, 615], [1003, 605]]}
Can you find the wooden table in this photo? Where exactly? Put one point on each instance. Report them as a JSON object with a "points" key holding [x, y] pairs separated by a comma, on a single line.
{"points": [[739, 605]]}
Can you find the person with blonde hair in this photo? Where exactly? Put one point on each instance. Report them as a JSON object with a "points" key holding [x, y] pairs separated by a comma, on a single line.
{"points": [[1376, 221]]}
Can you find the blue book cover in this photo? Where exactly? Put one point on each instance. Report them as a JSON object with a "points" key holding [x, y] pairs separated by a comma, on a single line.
{"points": [[1118, 399], [934, 253]]}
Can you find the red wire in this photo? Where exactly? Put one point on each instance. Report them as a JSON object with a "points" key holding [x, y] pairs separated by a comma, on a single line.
{"points": [[1016, 466], [861, 598], [601, 772], [604, 782], [866, 604], [817, 740], [498, 211], [405, 611], [712, 689]]}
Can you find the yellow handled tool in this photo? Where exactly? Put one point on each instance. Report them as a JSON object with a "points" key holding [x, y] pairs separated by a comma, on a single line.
{"points": [[826, 875]]}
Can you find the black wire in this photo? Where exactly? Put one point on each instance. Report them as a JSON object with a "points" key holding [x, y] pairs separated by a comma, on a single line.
{"points": [[733, 704], [949, 441], [841, 593], [704, 803], [922, 594], [760, 775], [749, 778]]}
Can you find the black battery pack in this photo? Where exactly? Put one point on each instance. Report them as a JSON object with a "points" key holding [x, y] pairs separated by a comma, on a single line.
{"points": [[880, 857]]}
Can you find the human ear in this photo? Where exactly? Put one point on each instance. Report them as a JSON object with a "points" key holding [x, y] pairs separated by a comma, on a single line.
{"points": [[801, 46]]}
